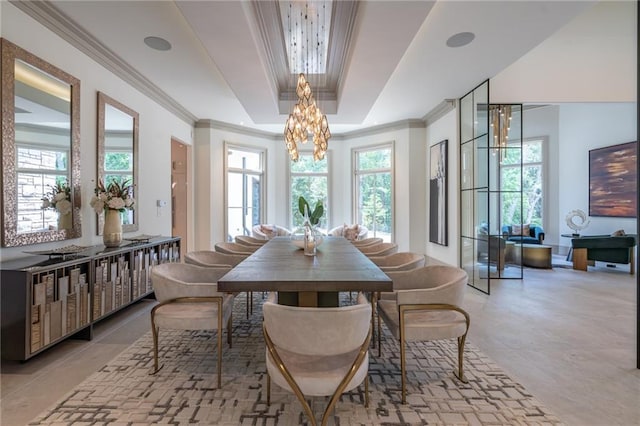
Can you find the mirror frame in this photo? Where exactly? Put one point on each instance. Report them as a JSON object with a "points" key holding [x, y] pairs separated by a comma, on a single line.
{"points": [[103, 101], [10, 237]]}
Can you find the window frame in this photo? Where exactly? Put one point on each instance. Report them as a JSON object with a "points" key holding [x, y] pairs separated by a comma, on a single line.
{"points": [[544, 170], [328, 174], [263, 176], [355, 174]]}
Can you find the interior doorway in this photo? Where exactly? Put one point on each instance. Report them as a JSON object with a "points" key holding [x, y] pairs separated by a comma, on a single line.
{"points": [[180, 192]]}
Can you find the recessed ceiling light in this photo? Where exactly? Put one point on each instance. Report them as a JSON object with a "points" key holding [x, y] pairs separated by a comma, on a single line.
{"points": [[460, 39], [157, 43]]}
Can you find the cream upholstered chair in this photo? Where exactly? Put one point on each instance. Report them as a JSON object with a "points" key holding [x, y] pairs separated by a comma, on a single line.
{"points": [[235, 248], [215, 259], [350, 232], [382, 249], [427, 307], [246, 240], [317, 351], [266, 232], [189, 299], [402, 261], [367, 242]]}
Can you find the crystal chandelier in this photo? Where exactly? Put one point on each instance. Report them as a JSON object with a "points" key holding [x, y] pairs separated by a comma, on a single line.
{"points": [[306, 120]]}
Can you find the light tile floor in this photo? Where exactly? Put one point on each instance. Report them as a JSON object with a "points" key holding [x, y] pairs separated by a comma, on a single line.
{"points": [[567, 336]]}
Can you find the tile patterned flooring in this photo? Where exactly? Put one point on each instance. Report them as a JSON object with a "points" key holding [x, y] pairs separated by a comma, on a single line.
{"points": [[567, 336]]}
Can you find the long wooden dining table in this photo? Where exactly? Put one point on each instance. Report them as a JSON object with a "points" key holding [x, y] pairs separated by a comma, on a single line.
{"points": [[300, 280]]}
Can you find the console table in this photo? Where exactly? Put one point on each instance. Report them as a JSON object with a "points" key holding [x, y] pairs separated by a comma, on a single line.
{"points": [[45, 300]]}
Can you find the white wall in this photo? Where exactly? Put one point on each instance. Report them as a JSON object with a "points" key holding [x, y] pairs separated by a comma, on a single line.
{"points": [[543, 122], [584, 127], [446, 128], [592, 59], [157, 126]]}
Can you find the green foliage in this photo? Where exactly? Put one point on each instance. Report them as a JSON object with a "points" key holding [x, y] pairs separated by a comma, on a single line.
{"points": [[315, 215]]}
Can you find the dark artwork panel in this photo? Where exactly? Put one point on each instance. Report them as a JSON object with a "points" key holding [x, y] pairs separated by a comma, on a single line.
{"points": [[612, 181], [438, 223]]}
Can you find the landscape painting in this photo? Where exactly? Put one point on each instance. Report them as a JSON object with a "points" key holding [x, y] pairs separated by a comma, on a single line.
{"points": [[613, 181], [438, 223]]}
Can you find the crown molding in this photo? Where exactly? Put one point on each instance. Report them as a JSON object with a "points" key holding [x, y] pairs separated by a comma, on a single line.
{"points": [[396, 125], [248, 131], [440, 111], [50, 17]]}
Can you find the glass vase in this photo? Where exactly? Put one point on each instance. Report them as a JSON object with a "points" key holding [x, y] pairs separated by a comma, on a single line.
{"points": [[112, 231]]}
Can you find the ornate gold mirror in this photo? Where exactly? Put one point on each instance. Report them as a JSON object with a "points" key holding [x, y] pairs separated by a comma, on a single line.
{"points": [[40, 150], [118, 152]]}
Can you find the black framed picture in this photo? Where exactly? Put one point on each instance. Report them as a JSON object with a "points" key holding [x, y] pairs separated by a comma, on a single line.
{"points": [[438, 221], [612, 181]]}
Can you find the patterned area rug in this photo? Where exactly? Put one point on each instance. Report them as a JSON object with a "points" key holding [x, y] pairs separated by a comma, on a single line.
{"points": [[184, 391]]}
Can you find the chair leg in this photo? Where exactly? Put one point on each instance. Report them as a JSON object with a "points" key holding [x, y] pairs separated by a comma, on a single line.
{"points": [[219, 331], [373, 324], [154, 332], [248, 297], [460, 375], [366, 391], [379, 336], [402, 359], [229, 328], [268, 389]]}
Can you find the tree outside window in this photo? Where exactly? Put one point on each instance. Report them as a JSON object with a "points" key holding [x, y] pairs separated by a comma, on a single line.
{"points": [[309, 179], [374, 190], [532, 195]]}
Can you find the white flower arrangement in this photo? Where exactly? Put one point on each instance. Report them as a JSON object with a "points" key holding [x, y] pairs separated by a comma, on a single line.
{"points": [[115, 196], [59, 198]]}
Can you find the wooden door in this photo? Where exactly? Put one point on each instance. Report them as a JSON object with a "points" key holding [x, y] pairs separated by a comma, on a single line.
{"points": [[179, 191]]}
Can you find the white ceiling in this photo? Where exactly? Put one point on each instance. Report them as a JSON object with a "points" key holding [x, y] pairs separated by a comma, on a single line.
{"points": [[398, 66]]}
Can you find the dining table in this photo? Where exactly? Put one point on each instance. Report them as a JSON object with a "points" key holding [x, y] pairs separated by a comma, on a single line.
{"points": [[300, 280]]}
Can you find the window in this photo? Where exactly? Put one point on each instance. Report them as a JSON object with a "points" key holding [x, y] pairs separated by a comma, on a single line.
{"points": [[310, 179], [38, 168], [532, 184], [374, 190], [245, 190]]}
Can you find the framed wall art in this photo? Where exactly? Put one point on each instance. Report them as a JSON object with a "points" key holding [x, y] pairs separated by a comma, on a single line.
{"points": [[438, 221], [612, 181]]}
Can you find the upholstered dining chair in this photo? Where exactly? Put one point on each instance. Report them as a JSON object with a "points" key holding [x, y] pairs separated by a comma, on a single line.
{"points": [[215, 259], [246, 240], [402, 261], [350, 232], [266, 232], [367, 242], [189, 299], [317, 351], [235, 248], [427, 306], [377, 250]]}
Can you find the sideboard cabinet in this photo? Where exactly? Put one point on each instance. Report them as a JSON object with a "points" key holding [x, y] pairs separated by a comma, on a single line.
{"points": [[46, 299]]}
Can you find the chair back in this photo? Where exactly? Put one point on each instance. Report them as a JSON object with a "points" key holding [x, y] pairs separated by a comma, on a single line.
{"points": [[213, 259], [172, 280], [382, 249], [339, 231], [430, 284], [367, 242], [318, 331], [403, 261], [266, 232], [249, 241], [234, 248]]}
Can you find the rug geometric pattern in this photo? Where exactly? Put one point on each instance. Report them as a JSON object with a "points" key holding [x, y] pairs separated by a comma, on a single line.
{"points": [[185, 392]]}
